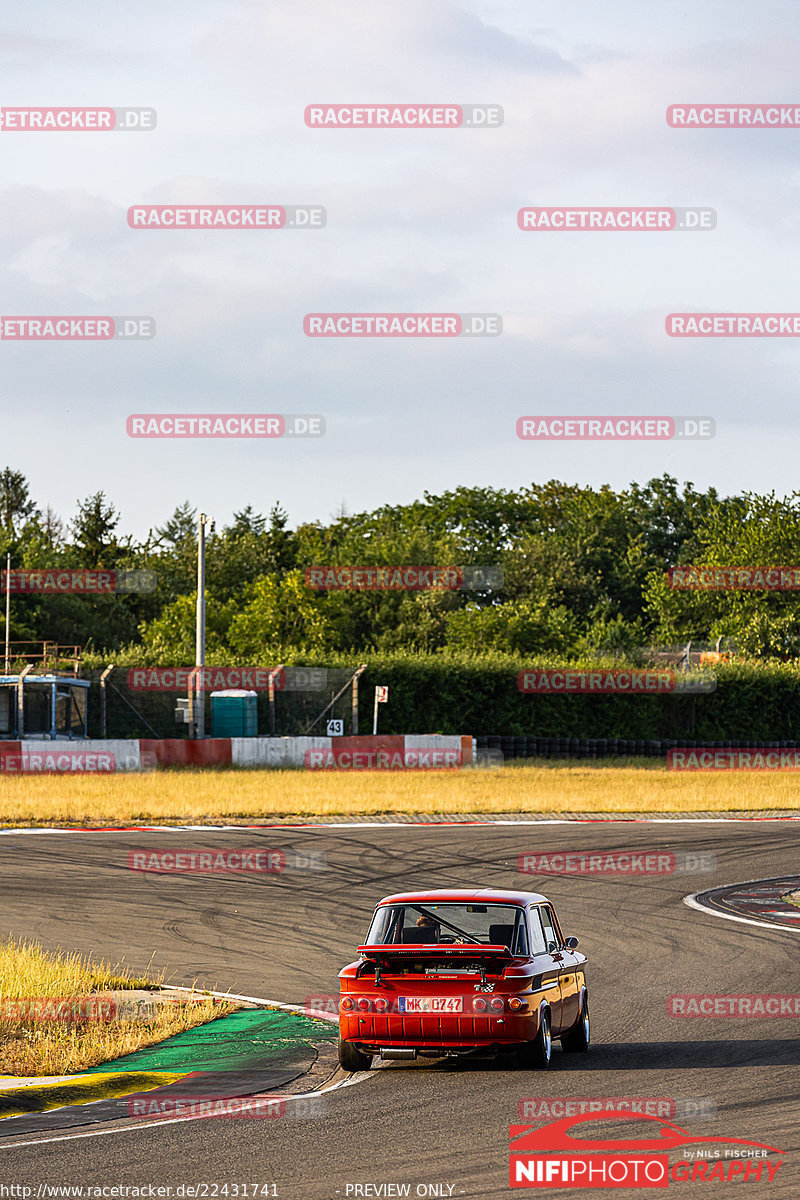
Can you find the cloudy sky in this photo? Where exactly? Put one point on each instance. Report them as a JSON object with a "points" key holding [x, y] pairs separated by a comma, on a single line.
{"points": [[418, 221]]}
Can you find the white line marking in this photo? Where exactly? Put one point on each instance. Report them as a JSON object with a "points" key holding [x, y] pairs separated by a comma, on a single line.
{"points": [[301, 1008], [621, 819]]}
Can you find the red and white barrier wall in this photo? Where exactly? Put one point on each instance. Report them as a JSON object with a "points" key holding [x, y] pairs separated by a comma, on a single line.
{"points": [[384, 752]]}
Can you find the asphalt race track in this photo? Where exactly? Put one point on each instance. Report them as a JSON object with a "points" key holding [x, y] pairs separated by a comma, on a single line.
{"points": [[285, 937]]}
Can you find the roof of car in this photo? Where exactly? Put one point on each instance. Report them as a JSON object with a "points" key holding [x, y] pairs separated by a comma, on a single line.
{"points": [[464, 895]]}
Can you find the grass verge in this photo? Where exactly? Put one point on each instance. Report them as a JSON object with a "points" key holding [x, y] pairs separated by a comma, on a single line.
{"points": [[69, 1021], [612, 786]]}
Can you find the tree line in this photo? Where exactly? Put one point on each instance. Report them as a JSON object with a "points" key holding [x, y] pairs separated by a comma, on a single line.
{"points": [[583, 575]]}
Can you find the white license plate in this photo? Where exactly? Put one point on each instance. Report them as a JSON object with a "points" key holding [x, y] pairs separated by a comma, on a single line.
{"points": [[431, 1004]]}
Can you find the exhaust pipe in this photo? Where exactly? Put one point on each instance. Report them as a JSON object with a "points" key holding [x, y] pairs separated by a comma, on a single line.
{"points": [[390, 1052]]}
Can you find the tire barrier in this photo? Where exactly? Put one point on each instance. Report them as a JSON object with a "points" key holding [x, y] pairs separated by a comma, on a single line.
{"points": [[560, 747]]}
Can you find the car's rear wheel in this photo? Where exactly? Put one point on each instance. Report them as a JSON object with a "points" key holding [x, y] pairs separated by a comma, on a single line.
{"points": [[353, 1059], [537, 1054], [577, 1040]]}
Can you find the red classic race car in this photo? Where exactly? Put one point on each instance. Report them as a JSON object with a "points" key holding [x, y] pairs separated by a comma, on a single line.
{"points": [[463, 972]]}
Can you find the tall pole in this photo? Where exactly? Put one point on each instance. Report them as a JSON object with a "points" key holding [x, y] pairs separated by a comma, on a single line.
{"points": [[8, 610], [200, 631]]}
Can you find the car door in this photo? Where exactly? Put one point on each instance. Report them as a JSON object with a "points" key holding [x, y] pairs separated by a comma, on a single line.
{"points": [[569, 979], [552, 961]]}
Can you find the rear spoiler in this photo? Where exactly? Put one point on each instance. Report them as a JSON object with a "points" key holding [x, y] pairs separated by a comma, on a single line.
{"points": [[384, 954]]}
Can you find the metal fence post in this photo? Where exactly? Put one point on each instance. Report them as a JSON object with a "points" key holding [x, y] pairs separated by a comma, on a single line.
{"points": [[103, 704], [359, 672], [21, 701]]}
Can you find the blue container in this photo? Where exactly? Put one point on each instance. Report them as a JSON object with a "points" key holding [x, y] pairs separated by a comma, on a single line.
{"points": [[234, 713]]}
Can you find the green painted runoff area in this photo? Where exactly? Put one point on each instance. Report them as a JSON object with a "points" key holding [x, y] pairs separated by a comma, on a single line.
{"points": [[251, 1037]]}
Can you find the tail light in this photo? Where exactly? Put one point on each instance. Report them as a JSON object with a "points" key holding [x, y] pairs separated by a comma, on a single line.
{"points": [[362, 1004], [496, 1003], [346, 1004], [515, 1003], [380, 1005], [479, 1004]]}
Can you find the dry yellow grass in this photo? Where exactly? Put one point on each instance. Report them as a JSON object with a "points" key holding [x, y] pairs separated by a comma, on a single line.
{"points": [[41, 1045], [633, 786]]}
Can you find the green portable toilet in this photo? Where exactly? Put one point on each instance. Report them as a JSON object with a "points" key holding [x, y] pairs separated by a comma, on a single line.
{"points": [[234, 713]]}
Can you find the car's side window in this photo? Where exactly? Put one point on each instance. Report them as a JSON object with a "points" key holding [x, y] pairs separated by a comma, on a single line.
{"points": [[557, 928], [550, 935], [537, 936], [521, 945]]}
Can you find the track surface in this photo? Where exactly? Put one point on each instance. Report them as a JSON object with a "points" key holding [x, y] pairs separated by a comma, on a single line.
{"points": [[287, 936]]}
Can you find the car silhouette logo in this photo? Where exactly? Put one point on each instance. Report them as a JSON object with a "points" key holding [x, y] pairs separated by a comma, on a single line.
{"points": [[532, 1139]]}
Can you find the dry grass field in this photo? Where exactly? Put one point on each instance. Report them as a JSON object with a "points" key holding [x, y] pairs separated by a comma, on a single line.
{"points": [[552, 788], [37, 1040]]}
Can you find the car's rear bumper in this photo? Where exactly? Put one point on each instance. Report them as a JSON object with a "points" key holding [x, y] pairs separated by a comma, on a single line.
{"points": [[433, 1031], [440, 1048]]}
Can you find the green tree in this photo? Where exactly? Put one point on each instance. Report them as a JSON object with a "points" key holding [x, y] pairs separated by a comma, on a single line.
{"points": [[750, 530], [93, 529], [528, 626], [16, 505], [180, 528], [279, 613]]}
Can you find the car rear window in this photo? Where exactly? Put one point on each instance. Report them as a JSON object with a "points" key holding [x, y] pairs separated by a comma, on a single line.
{"points": [[449, 924]]}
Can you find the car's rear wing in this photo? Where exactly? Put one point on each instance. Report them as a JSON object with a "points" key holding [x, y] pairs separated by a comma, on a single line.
{"points": [[469, 951]]}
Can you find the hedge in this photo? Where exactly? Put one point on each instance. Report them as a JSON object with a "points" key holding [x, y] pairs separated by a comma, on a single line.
{"points": [[753, 701]]}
